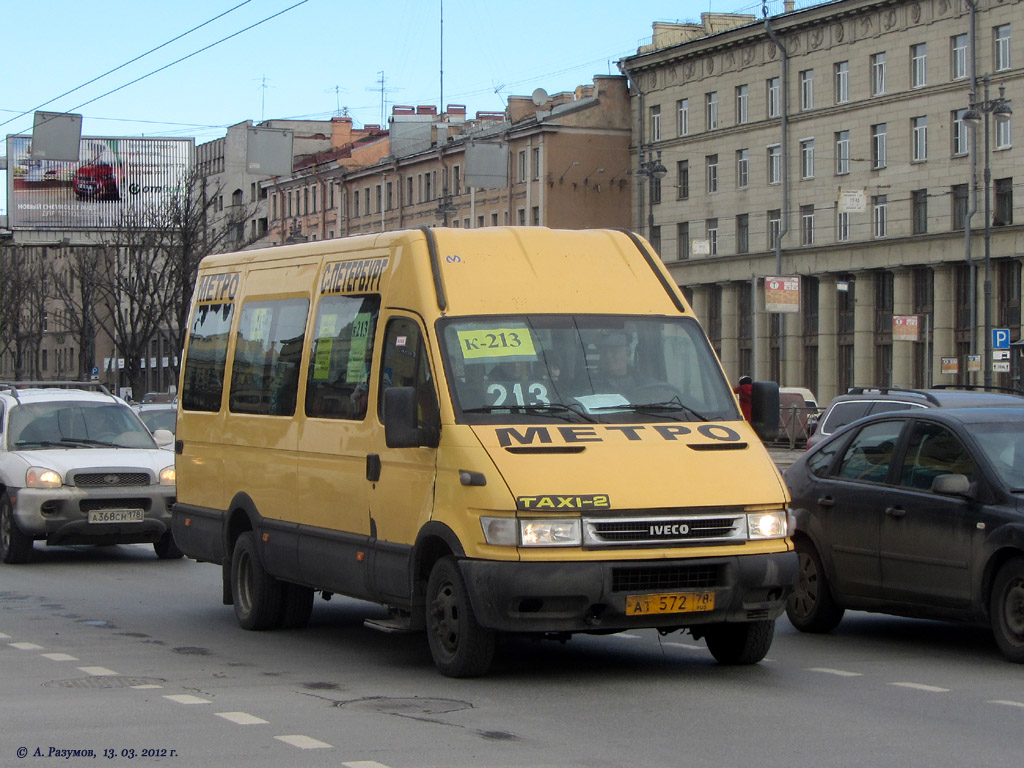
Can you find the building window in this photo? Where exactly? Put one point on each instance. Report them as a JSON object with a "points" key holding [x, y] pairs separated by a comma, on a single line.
{"points": [[743, 233], [806, 225], [711, 173], [842, 81], [742, 94], [878, 159], [522, 165], [656, 239], [958, 195], [843, 226], [877, 74], [919, 210], [683, 240], [774, 226], [355, 204], [389, 196], [959, 132], [683, 179], [773, 98], [521, 217], [1003, 203], [655, 189], [774, 164], [711, 110], [880, 215], [1004, 135], [457, 176], [535, 216], [408, 191], [534, 165], [683, 116], [711, 230], [807, 159], [842, 152], [807, 89], [958, 61], [1001, 47], [918, 65], [742, 168], [377, 198], [919, 139], [656, 123]]}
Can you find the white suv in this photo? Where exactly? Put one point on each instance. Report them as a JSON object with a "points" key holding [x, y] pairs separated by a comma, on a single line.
{"points": [[77, 466]]}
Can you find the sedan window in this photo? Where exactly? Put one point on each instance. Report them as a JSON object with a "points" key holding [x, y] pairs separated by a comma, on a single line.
{"points": [[869, 454], [933, 451]]}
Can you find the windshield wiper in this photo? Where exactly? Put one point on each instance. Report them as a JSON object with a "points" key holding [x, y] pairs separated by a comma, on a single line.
{"points": [[556, 410], [40, 443], [87, 441], [663, 407]]}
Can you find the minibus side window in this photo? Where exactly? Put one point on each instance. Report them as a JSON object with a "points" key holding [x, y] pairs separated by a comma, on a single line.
{"points": [[203, 381], [405, 364], [339, 367], [265, 370]]}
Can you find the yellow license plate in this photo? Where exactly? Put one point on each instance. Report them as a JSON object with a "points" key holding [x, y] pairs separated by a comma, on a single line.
{"points": [[669, 602]]}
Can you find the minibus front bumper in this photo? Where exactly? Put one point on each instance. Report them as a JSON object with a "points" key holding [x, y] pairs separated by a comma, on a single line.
{"points": [[592, 596]]}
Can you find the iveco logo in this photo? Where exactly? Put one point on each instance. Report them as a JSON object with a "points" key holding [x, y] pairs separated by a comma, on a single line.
{"points": [[669, 529], [111, 479]]}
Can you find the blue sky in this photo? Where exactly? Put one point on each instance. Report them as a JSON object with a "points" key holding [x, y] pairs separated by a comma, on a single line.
{"points": [[316, 59]]}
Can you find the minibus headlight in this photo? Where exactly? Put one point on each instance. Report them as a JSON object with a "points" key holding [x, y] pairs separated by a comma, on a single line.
{"points": [[40, 477], [499, 531], [550, 533], [167, 476], [766, 525]]}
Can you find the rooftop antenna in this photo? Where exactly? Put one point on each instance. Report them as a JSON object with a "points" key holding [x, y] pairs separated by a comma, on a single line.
{"points": [[337, 99], [441, 105], [263, 96]]}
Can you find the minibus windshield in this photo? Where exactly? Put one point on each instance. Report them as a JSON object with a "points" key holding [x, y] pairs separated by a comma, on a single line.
{"points": [[591, 368]]}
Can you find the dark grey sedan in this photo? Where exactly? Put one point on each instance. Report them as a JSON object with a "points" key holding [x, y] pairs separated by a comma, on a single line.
{"points": [[915, 513]]}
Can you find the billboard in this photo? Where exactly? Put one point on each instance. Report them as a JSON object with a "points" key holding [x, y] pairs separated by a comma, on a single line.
{"points": [[115, 179]]}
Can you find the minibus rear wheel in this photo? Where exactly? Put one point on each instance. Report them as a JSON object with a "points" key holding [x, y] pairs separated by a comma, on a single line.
{"points": [[460, 646], [257, 595], [740, 643]]}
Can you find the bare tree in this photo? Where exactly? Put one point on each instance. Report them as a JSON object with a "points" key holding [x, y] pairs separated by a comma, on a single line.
{"points": [[73, 289], [22, 292]]}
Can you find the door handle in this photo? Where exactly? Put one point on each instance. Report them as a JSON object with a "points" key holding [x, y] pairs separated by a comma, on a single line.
{"points": [[372, 467], [826, 501], [895, 511]]}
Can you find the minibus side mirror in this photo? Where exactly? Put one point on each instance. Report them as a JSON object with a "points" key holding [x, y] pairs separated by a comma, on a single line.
{"points": [[401, 421], [764, 410]]}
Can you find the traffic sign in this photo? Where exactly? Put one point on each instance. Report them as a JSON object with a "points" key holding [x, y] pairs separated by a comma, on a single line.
{"points": [[1000, 338]]}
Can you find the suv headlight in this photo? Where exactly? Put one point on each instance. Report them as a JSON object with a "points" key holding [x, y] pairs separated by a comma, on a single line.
{"points": [[509, 532], [40, 477], [167, 476], [767, 525]]}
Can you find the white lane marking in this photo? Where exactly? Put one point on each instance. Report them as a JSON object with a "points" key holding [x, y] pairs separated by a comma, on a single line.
{"points": [[1008, 703], [242, 718], [98, 671], [627, 636], [59, 657], [364, 764], [837, 672], [4, 637], [146, 687], [26, 646], [304, 742], [922, 687], [185, 698]]}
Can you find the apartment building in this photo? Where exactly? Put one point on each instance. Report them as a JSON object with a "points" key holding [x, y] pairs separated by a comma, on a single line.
{"points": [[831, 143], [557, 161]]}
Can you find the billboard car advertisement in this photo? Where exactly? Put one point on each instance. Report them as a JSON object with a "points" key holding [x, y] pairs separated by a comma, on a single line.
{"points": [[115, 180]]}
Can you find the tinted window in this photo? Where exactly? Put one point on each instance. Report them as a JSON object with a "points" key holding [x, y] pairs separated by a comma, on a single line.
{"points": [[265, 371], [933, 451], [1003, 444], [819, 462], [842, 414], [884, 406], [339, 368], [203, 381], [869, 454], [76, 425]]}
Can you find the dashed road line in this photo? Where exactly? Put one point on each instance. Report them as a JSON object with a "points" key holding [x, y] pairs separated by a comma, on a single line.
{"points": [[628, 636], [4, 637], [922, 687], [364, 764], [836, 672], [304, 742], [241, 718], [98, 671], [186, 698], [685, 646], [1007, 703], [26, 646], [59, 656], [146, 686]]}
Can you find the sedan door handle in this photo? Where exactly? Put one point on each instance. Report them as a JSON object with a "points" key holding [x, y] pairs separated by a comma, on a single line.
{"points": [[895, 511], [826, 501]]}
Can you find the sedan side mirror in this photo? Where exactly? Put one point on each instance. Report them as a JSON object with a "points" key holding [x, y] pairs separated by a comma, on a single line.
{"points": [[952, 485]]}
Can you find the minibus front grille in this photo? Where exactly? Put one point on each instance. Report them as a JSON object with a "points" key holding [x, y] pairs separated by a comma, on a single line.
{"points": [[619, 531], [660, 578]]}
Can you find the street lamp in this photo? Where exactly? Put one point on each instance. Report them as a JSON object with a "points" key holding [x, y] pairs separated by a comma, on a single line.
{"points": [[653, 169], [978, 112]]}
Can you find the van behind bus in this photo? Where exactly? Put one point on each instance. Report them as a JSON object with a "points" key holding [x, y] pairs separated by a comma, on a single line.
{"points": [[505, 430]]}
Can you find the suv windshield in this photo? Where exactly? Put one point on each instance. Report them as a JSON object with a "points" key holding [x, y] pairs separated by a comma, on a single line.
{"points": [[583, 368], [73, 424]]}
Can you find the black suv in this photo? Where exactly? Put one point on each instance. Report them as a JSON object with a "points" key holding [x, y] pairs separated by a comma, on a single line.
{"points": [[864, 401], [917, 513]]}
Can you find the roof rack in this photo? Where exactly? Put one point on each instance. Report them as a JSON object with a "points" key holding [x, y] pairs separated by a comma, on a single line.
{"points": [[980, 388], [14, 386], [894, 390]]}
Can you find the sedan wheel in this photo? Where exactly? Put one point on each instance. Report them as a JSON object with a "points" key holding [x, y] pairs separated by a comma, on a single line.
{"points": [[811, 607], [1008, 609]]}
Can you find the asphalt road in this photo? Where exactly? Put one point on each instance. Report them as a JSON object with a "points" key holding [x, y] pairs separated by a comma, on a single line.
{"points": [[110, 649]]}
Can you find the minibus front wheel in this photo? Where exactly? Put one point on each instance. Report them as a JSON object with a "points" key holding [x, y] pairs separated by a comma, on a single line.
{"points": [[459, 645], [257, 595]]}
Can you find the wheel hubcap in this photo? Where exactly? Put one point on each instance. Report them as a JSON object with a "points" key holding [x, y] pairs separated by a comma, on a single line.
{"points": [[1013, 610], [445, 611], [245, 582], [805, 592]]}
